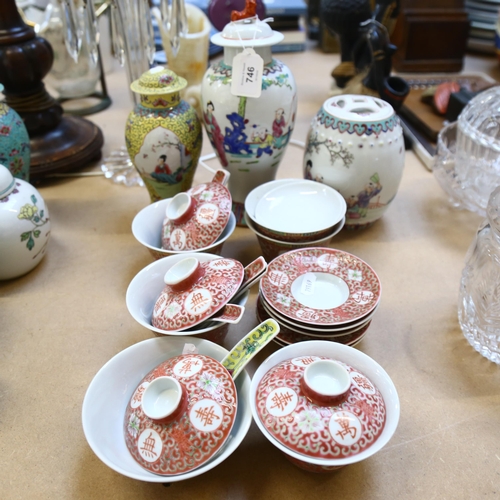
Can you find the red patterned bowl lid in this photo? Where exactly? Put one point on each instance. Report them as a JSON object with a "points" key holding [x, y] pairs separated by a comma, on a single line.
{"points": [[196, 218], [202, 398], [320, 408], [195, 291]]}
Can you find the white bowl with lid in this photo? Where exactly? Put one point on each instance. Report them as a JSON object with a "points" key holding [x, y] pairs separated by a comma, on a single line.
{"points": [[325, 414], [195, 219], [112, 387], [145, 288], [147, 230]]}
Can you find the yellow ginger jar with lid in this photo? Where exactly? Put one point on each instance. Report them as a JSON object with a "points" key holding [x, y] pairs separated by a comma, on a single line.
{"points": [[163, 134]]}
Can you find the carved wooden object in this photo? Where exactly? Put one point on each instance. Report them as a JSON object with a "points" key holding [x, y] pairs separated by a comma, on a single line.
{"points": [[58, 142]]}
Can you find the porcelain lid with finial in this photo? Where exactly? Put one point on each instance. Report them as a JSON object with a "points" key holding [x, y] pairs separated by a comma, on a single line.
{"points": [[181, 414], [158, 81], [196, 218], [320, 408], [250, 32], [195, 291]]}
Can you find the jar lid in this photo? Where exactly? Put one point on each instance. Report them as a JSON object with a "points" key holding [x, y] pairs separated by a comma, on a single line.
{"points": [[181, 414], [158, 81], [195, 291], [359, 108], [196, 218], [250, 32], [7, 182], [320, 408]]}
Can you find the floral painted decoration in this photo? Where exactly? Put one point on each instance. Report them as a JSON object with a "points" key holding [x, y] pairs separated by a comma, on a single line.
{"points": [[30, 213]]}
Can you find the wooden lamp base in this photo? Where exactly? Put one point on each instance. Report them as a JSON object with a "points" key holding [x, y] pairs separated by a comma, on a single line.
{"points": [[73, 144], [58, 142]]}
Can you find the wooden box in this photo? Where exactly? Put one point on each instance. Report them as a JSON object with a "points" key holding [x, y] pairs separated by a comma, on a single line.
{"points": [[430, 38]]}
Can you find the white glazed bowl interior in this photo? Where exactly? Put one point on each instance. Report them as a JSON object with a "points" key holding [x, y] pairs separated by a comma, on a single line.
{"points": [[112, 387], [352, 357], [300, 207], [259, 192], [148, 223], [147, 285]]}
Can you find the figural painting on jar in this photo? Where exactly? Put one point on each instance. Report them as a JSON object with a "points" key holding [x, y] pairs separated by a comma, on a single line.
{"points": [[248, 134], [355, 145]]}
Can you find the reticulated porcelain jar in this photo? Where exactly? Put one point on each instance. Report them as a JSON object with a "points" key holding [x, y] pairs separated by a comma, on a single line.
{"points": [[14, 142], [24, 226], [355, 144], [248, 134], [163, 134]]}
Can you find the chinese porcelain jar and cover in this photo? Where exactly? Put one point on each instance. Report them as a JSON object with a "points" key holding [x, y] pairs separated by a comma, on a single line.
{"points": [[355, 145], [181, 414], [248, 134], [163, 134], [322, 413], [25, 226]]}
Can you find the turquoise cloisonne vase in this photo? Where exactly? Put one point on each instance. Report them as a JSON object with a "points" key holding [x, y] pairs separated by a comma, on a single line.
{"points": [[14, 142]]}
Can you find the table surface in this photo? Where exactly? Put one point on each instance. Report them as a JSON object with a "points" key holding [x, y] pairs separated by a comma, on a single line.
{"points": [[63, 321]]}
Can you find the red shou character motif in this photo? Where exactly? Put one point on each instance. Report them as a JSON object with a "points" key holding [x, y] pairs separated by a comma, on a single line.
{"points": [[307, 314], [278, 278], [188, 365], [221, 263], [307, 361], [346, 429], [330, 260], [138, 394], [207, 213], [281, 399], [198, 301], [363, 383], [207, 415], [177, 239], [149, 446], [160, 303]]}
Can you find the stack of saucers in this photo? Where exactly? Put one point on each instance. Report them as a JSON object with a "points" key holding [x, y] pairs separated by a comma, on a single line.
{"points": [[319, 293]]}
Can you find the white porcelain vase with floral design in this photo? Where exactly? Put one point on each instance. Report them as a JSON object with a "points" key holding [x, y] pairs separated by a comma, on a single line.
{"points": [[24, 226], [248, 134], [355, 144]]}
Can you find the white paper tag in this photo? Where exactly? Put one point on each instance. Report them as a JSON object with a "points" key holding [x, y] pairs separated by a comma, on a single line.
{"points": [[308, 283], [247, 74]]}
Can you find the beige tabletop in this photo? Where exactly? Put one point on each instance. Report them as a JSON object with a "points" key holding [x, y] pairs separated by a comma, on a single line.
{"points": [[63, 321]]}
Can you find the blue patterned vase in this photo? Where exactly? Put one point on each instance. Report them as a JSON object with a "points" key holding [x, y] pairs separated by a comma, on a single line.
{"points": [[14, 142]]}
